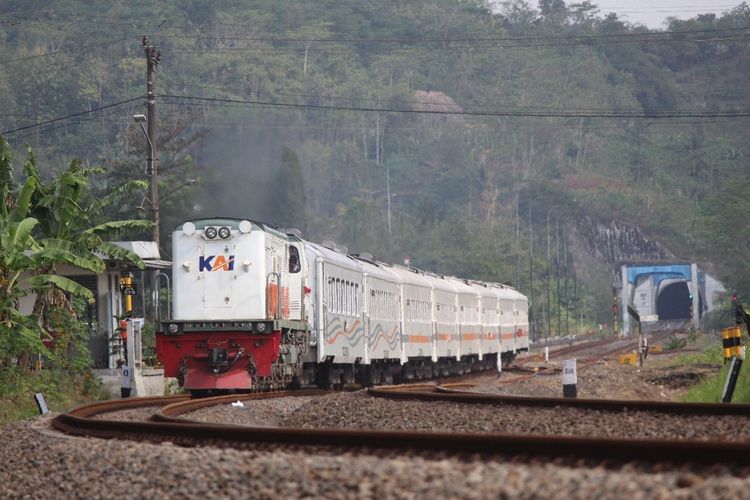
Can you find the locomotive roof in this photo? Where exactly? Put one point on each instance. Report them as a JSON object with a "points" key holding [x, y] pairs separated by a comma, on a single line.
{"points": [[234, 223]]}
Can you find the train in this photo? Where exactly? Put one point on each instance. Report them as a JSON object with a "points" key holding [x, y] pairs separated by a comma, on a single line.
{"points": [[255, 307]]}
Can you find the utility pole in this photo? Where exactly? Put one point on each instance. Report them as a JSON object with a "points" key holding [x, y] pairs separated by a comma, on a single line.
{"points": [[531, 279], [557, 272], [549, 302], [565, 285], [153, 57], [518, 250]]}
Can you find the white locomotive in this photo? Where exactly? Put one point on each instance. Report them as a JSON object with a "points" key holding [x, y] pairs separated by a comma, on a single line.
{"points": [[258, 308]]}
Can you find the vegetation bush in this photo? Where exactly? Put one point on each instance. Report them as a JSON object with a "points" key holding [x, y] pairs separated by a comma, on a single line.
{"points": [[44, 224]]}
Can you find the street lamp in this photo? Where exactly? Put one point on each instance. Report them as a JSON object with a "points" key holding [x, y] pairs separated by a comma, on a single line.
{"points": [[557, 270], [188, 182], [549, 302], [140, 120], [154, 177]]}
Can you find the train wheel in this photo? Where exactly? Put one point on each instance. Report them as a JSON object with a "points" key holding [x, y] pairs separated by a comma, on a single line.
{"points": [[419, 372], [374, 375], [324, 378]]}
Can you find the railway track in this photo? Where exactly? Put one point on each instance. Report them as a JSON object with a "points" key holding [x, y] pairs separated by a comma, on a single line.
{"points": [[168, 424], [623, 346]]}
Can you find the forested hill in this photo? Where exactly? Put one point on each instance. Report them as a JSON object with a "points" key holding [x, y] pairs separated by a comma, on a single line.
{"points": [[413, 128]]}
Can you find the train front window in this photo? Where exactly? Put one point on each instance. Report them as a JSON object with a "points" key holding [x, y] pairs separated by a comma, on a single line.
{"points": [[294, 263]]}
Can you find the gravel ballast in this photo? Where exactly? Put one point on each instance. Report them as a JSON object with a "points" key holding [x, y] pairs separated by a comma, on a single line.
{"points": [[39, 463], [358, 410]]}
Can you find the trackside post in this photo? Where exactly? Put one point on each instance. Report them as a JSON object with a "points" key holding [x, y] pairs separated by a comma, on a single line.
{"points": [[570, 379], [731, 382], [733, 349], [642, 347]]}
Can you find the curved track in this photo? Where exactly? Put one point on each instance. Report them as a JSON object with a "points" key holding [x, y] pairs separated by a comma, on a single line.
{"points": [[166, 426]]}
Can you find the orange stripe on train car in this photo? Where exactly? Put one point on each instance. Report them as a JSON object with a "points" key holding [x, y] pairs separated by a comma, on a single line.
{"points": [[470, 336], [444, 336], [418, 339]]}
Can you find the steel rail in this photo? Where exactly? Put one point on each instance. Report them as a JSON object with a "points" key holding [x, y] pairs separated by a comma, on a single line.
{"points": [[172, 410], [448, 394], [184, 432], [98, 407], [647, 450], [189, 433]]}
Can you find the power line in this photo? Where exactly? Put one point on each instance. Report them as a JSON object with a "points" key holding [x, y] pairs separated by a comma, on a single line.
{"points": [[236, 124], [514, 46], [57, 18], [500, 113], [373, 99], [334, 37], [353, 98], [61, 51], [406, 40], [61, 118]]}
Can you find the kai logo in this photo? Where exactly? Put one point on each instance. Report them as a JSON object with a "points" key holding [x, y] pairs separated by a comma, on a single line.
{"points": [[215, 263]]}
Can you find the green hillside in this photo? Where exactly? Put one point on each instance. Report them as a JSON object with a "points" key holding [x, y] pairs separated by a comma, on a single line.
{"points": [[421, 128]]}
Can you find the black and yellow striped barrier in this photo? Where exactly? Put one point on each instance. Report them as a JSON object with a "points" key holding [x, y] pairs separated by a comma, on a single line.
{"points": [[730, 338]]}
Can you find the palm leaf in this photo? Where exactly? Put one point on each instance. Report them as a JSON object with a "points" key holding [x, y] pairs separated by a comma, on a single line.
{"points": [[118, 253], [6, 167], [21, 233], [58, 255], [62, 283], [119, 192], [119, 226], [23, 202], [57, 244]]}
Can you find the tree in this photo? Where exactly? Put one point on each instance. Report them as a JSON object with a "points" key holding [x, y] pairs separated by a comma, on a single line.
{"points": [[21, 257], [67, 215], [290, 189]]}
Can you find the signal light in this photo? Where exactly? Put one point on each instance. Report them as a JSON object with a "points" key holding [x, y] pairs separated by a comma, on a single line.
{"points": [[224, 233], [210, 233]]}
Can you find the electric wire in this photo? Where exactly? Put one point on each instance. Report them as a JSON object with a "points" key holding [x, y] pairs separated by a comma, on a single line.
{"points": [[497, 113], [62, 51], [73, 115]]}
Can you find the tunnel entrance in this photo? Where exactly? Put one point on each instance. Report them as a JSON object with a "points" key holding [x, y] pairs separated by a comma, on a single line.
{"points": [[673, 302]]}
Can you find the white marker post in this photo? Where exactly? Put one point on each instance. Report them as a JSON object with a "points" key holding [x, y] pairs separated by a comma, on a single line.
{"points": [[546, 354], [570, 379], [41, 403]]}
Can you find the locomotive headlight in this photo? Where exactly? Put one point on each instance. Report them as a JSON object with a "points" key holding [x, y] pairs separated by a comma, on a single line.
{"points": [[210, 233], [174, 328], [224, 233], [261, 327]]}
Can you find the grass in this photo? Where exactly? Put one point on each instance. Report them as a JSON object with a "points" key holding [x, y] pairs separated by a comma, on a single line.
{"points": [[61, 392], [712, 355], [710, 390]]}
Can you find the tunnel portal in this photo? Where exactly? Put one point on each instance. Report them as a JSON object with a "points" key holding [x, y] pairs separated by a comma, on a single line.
{"points": [[673, 302]]}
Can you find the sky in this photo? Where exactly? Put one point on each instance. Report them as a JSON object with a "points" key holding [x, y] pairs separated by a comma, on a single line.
{"points": [[652, 13]]}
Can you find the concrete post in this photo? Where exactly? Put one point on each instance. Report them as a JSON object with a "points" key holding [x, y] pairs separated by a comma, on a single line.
{"points": [[134, 360], [625, 298], [696, 293]]}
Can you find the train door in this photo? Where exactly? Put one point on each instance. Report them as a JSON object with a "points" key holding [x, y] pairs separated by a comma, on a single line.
{"points": [[295, 274], [217, 269]]}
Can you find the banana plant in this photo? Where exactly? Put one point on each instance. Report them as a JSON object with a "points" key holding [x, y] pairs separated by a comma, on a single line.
{"points": [[68, 230], [21, 256]]}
